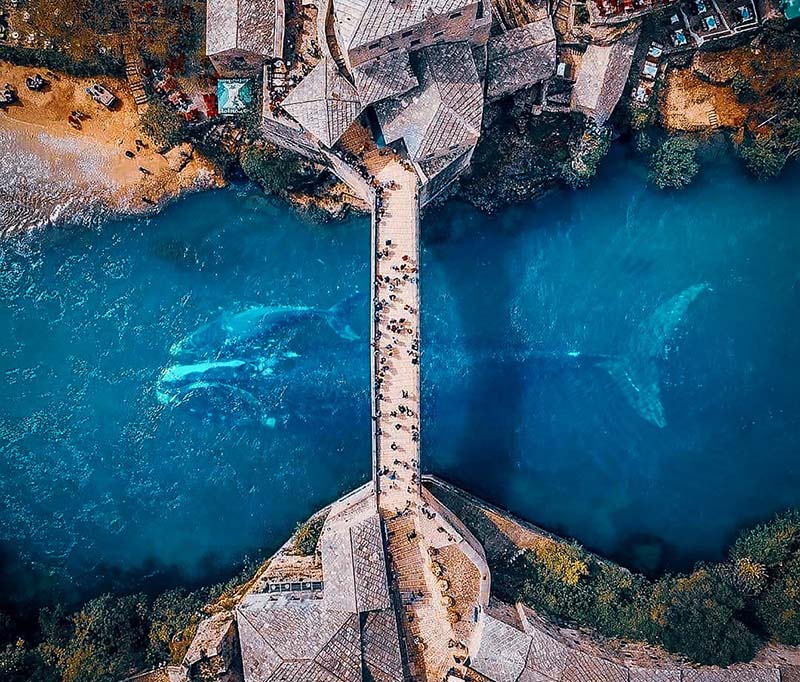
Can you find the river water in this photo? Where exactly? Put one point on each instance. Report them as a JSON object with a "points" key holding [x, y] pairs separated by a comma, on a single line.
{"points": [[617, 364]]}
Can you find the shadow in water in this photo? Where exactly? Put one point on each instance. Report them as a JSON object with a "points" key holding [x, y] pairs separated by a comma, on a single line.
{"points": [[469, 386]]}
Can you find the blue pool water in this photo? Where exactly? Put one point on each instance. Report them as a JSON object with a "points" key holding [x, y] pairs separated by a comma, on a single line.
{"points": [[618, 364]]}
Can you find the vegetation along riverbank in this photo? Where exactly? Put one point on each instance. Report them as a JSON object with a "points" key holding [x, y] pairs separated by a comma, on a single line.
{"points": [[719, 614]]}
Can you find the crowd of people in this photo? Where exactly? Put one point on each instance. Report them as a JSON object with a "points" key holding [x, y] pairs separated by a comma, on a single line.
{"points": [[396, 356]]}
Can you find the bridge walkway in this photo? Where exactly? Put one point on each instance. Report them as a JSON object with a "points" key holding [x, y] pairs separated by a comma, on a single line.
{"points": [[396, 405]]}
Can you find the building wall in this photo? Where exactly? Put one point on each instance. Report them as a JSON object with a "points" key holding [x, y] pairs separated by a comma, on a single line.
{"points": [[435, 186], [237, 63], [462, 24]]}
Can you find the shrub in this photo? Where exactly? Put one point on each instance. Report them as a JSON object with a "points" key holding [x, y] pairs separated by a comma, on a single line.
{"points": [[778, 608], [306, 536], [272, 168], [770, 543], [163, 126], [674, 163], [743, 89], [698, 618], [748, 576]]}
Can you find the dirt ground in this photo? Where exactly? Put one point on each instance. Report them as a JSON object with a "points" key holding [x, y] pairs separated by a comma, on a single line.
{"points": [[689, 98], [39, 121], [690, 104]]}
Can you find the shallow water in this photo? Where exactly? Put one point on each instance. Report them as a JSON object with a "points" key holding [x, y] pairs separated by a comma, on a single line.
{"points": [[114, 469]]}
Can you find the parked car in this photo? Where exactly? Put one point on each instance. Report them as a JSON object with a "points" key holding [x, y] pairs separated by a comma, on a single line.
{"points": [[35, 82], [101, 95], [8, 95]]}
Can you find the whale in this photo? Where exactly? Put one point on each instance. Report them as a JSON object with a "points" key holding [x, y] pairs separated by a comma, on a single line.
{"points": [[231, 331], [179, 379], [636, 371]]}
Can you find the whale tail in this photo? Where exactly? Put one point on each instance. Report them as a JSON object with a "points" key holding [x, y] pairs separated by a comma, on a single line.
{"points": [[338, 316], [637, 373]]}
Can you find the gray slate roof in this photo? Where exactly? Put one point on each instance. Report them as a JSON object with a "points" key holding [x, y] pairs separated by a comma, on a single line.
{"points": [[361, 22], [520, 58], [347, 636], [324, 102], [503, 651], [446, 109], [244, 25], [602, 75], [388, 76]]}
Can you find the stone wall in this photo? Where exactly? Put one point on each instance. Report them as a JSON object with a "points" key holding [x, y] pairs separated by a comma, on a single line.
{"points": [[462, 24]]}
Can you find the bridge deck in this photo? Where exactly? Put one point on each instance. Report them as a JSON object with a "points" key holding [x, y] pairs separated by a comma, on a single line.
{"points": [[395, 346], [395, 309]]}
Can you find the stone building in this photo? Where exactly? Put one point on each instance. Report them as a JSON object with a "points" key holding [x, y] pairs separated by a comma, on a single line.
{"points": [[347, 632], [241, 35], [369, 29], [602, 76]]}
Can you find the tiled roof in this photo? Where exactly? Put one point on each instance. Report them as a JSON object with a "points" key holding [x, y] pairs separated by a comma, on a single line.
{"points": [[520, 57], [446, 109], [347, 636], [243, 24], [379, 646], [388, 76], [503, 651], [369, 564], [361, 22], [581, 667], [602, 75], [324, 102], [434, 165]]}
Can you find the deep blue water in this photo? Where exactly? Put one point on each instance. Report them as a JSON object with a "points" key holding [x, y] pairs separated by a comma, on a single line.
{"points": [[533, 322]]}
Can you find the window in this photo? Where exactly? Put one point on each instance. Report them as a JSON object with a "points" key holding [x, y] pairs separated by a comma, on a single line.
{"points": [[438, 34], [407, 33], [455, 15], [414, 43], [374, 46]]}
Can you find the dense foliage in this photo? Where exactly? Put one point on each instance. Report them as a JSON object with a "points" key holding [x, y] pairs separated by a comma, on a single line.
{"points": [[674, 164], [273, 169], [718, 614], [109, 637], [162, 125]]}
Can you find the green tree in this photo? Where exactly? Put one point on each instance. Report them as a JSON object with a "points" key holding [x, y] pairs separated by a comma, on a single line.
{"points": [[778, 608], [163, 125], [674, 163], [173, 620], [108, 640], [272, 168], [763, 158], [698, 615]]}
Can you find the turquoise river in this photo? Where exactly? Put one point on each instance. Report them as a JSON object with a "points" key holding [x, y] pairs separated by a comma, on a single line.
{"points": [[618, 364]]}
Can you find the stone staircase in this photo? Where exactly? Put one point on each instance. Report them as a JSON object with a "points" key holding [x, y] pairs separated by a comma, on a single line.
{"points": [[133, 72], [713, 119], [430, 656]]}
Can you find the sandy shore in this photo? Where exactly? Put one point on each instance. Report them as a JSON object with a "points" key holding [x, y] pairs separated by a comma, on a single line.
{"points": [[53, 172]]}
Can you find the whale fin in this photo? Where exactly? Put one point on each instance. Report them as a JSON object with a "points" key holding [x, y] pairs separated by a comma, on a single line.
{"points": [[640, 386], [637, 373], [337, 317]]}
